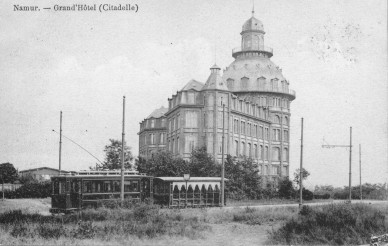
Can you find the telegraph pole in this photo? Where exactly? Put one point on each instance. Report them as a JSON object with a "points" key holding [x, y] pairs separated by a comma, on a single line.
{"points": [[350, 167], [301, 167], [359, 152], [60, 142], [350, 161], [222, 158], [122, 154]]}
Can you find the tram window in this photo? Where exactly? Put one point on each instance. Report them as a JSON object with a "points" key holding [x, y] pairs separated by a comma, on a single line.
{"points": [[130, 186], [116, 186], [107, 186], [62, 187], [87, 187], [56, 187]]}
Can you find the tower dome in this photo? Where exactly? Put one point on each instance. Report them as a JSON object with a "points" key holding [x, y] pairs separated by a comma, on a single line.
{"points": [[252, 71], [253, 24]]}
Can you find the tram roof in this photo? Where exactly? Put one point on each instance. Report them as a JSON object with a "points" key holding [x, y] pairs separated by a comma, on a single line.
{"points": [[192, 179]]}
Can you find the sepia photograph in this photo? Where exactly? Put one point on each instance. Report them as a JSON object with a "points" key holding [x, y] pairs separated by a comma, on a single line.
{"points": [[254, 122]]}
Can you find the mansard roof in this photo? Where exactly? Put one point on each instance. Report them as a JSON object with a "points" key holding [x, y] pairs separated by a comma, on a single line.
{"points": [[193, 85], [157, 113]]}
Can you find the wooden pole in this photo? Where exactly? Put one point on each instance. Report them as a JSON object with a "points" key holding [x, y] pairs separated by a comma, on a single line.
{"points": [[359, 151], [301, 168], [222, 158], [122, 154], [350, 167], [60, 143]]}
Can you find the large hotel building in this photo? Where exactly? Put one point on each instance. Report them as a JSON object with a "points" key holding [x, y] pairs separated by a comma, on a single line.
{"points": [[257, 102]]}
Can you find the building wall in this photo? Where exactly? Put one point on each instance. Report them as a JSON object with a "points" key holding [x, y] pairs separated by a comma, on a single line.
{"points": [[152, 136]]}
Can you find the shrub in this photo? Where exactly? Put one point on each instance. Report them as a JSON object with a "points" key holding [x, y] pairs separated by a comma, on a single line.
{"points": [[31, 190], [84, 230], [333, 225]]}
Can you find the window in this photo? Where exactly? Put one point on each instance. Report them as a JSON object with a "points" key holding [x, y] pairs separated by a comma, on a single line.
{"points": [[242, 149], [236, 148], [177, 122], [276, 119], [191, 119], [177, 145], [235, 125], [242, 127], [276, 134], [285, 154], [244, 83], [261, 152], [152, 123], [190, 97], [249, 150], [161, 138], [230, 83], [285, 135], [190, 143], [255, 131], [266, 153], [172, 124], [152, 138], [261, 132], [255, 150], [285, 121], [173, 146], [275, 154], [261, 83]]}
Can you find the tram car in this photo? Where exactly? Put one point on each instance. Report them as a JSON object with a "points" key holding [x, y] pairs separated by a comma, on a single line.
{"points": [[86, 189], [89, 189], [176, 192]]}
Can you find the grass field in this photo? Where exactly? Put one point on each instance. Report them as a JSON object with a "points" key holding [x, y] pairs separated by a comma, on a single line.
{"points": [[145, 225]]}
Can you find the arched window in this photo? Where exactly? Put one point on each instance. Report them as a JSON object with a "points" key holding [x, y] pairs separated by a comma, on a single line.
{"points": [[255, 149], [266, 153], [285, 121], [261, 152]]}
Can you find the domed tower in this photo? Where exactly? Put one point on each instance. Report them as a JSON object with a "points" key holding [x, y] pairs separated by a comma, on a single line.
{"points": [[253, 77]]}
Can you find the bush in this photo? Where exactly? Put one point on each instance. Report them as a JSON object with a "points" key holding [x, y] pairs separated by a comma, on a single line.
{"points": [[30, 190], [307, 195], [333, 225]]}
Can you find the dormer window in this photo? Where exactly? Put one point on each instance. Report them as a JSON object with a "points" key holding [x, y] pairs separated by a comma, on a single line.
{"points": [[244, 82]]}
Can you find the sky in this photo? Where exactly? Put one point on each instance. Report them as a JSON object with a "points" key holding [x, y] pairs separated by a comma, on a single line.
{"points": [[334, 53]]}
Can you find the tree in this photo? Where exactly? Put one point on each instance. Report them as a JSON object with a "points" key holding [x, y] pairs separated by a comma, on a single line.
{"points": [[113, 156], [305, 174], [243, 179], [8, 173], [202, 164], [162, 163], [286, 189]]}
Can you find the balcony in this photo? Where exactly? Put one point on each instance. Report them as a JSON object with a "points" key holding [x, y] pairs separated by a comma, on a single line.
{"points": [[267, 50]]}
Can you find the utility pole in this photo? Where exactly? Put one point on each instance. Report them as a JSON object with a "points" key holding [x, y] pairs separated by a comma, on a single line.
{"points": [[122, 154], [359, 152], [301, 167], [222, 158], [60, 142], [350, 161]]}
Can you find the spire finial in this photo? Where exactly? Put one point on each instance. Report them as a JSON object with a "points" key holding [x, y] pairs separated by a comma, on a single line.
{"points": [[253, 8]]}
